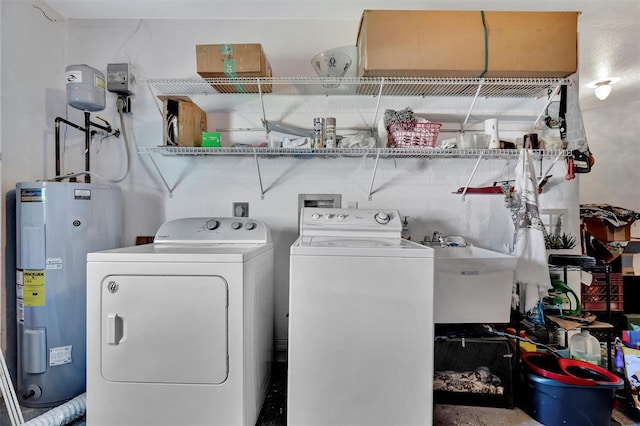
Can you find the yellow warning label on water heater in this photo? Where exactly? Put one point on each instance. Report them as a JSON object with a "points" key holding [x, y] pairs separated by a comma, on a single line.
{"points": [[34, 287]]}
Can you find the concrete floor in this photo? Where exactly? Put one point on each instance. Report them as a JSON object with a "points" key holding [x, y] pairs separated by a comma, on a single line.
{"points": [[444, 415], [274, 411]]}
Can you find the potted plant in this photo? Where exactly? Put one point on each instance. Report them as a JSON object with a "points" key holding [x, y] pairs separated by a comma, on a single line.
{"points": [[559, 241]]}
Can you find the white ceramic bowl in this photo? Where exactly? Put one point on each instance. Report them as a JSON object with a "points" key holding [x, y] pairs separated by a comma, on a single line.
{"points": [[331, 64]]}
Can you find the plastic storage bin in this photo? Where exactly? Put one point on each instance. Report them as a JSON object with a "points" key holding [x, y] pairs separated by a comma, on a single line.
{"points": [[556, 403]]}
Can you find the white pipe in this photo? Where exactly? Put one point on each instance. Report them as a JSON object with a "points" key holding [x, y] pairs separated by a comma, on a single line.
{"points": [[62, 414], [8, 394]]}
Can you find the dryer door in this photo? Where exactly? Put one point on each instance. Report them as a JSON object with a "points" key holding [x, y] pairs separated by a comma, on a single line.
{"points": [[164, 329]]}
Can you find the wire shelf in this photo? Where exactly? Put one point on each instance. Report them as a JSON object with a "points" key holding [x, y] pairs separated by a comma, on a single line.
{"points": [[366, 86], [408, 152]]}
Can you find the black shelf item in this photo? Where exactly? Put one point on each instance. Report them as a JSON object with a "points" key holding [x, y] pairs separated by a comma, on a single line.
{"points": [[489, 357], [571, 260]]}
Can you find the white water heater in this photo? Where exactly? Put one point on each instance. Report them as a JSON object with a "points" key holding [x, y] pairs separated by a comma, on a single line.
{"points": [[57, 224]]}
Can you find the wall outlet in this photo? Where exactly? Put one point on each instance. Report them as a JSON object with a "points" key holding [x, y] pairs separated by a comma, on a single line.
{"points": [[240, 209], [352, 204]]}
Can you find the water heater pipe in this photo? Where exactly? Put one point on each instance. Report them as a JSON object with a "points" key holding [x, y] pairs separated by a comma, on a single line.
{"points": [[87, 141]]}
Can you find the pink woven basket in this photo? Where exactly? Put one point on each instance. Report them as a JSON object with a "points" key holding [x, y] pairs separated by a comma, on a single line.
{"points": [[424, 134]]}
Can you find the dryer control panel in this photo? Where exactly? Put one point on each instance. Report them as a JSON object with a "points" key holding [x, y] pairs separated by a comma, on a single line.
{"points": [[213, 230], [350, 222]]}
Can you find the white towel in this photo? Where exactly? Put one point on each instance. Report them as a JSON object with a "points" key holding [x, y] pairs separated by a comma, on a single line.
{"points": [[532, 272]]}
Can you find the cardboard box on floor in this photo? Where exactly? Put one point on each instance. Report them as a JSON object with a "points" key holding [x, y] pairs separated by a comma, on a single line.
{"points": [[422, 43], [233, 61]]}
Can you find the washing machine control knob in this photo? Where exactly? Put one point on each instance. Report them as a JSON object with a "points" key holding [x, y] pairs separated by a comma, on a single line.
{"points": [[212, 224], [342, 216], [250, 225], [382, 218], [236, 225], [315, 216]]}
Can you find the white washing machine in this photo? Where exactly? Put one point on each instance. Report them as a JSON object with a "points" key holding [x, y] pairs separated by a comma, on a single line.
{"points": [[360, 322], [179, 332]]}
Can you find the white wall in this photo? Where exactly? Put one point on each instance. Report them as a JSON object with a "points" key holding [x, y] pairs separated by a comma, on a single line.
{"points": [[614, 139], [419, 188], [33, 56]]}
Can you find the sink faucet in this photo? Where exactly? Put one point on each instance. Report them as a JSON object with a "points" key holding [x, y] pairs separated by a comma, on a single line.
{"points": [[437, 236]]}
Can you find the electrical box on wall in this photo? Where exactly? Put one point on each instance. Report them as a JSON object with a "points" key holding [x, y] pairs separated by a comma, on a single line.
{"points": [[120, 79]]}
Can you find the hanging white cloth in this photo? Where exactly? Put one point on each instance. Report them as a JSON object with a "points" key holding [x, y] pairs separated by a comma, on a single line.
{"points": [[532, 272]]}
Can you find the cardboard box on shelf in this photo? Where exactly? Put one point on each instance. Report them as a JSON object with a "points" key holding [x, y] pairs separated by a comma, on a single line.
{"points": [[423, 43], [605, 230], [233, 61], [630, 260], [183, 122]]}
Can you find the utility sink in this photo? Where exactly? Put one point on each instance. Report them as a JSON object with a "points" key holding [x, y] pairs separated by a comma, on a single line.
{"points": [[472, 285]]}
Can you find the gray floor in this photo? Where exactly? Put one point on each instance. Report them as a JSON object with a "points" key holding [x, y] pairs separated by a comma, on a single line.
{"points": [[449, 415], [274, 411], [444, 415]]}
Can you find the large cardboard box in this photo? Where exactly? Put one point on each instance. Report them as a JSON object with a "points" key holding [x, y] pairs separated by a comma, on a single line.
{"points": [[423, 43], [604, 230], [183, 122], [233, 61]]}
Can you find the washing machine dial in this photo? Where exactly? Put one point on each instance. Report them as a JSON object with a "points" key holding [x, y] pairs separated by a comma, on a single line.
{"points": [[342, 216], [382, 218], [212, 224], [315, 216], [250, 225], [236, 225]]}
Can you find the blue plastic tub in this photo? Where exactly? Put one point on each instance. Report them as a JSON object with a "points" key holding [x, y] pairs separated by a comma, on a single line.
{"points": [[556, 403]]}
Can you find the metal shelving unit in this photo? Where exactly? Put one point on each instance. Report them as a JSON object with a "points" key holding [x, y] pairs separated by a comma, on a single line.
{"points": [[224, 94], [363, 86], [202, 90], [606, 326], [409, 152]]}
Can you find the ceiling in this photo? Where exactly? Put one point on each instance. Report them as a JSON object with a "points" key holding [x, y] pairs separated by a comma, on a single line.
{"points": [[609, 39]]}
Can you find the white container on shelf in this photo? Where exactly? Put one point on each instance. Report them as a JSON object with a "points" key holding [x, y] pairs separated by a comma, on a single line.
{"points": [[584, 347]]}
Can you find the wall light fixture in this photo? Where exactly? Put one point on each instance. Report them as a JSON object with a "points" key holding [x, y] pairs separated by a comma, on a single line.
{"points": [[603, 87]]}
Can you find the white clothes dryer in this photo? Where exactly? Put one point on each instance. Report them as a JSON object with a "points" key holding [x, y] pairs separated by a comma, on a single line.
{"points": [[180, 331], [360, 322]]}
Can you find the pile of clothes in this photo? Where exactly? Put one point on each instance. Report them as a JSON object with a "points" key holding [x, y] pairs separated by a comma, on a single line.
{"points": [[481, 380]]}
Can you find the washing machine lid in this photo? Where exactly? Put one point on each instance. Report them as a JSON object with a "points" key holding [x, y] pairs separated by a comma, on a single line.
{"points": [[359, 247]]}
